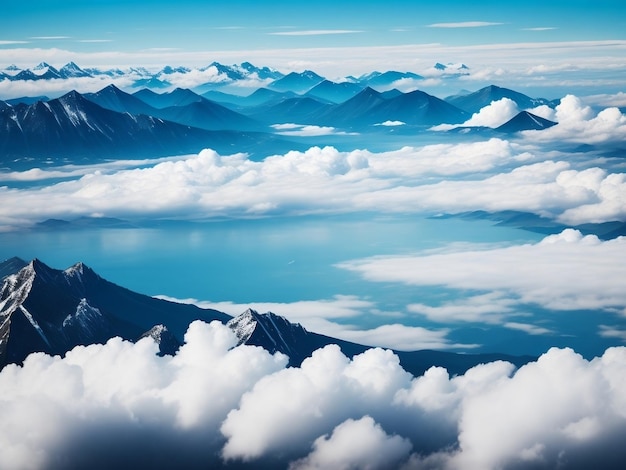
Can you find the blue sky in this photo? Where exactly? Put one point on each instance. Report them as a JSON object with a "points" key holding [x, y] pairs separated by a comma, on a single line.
{"points": [[161, 31]]}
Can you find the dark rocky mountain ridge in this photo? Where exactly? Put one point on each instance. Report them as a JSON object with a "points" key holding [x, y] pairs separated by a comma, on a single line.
{"points": [[50, 310]]}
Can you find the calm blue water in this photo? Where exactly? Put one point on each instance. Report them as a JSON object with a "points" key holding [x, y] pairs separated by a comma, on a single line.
{"points": [[287, 260], [280, 260]]}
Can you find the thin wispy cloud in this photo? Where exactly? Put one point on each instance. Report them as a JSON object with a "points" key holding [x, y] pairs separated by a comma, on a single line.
{"points": [[8, 42], [316, 32], [304, 130], [50, 38], [94, 40], [547, 28], [464, 24], [162, 49]]}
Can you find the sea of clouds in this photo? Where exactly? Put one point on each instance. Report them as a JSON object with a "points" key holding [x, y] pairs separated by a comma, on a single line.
{"points": [[119, 404], [531, 174], [218, 405]]}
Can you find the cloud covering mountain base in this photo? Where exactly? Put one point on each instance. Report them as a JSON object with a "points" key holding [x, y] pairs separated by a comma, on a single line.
{"points": [[120, 404]]}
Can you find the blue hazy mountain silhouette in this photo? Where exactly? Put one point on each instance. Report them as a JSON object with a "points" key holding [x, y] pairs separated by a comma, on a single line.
{"points": [[183, 106], [334, 92], [370, 107], [72, 127], [176, 97], [297, 82], [387, 79], [260, 96], [525, 121], [111, 97], [300, 109], [474, 102]]}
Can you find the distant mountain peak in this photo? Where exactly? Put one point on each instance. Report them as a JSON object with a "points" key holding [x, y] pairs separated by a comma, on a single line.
{"points": [[525, 121], [169, 70], [71, 70]]}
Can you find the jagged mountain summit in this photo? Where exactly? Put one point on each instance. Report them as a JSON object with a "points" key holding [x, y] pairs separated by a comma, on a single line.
{"points": [[43, 71], [50, 310]]}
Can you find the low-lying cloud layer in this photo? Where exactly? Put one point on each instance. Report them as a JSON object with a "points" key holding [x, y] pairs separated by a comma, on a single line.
{"points": [[567, 271], [493, 175], [214, 404]]}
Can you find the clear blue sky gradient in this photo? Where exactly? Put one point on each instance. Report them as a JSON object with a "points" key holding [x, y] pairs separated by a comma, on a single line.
{"points": [[334, 38], [132, 25]]}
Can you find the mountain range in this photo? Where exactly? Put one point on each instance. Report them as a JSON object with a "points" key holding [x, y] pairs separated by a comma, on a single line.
{"points": [[76, 128], [112, 123], [217, 75], [49, 310]]}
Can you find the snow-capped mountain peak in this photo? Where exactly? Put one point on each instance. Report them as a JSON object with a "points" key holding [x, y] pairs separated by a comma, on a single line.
{"points": [[71, 70], [273, 332], [42, 66]]}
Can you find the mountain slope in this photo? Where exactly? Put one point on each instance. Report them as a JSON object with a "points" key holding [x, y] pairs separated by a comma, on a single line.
{"points": [[474, 102], [297, 82], [76, 129], [206, 114], [300, 110], [114, 99], [11, 266], [525, 121], [177, 97], [334, 92], [49, 310], [370, 107]]}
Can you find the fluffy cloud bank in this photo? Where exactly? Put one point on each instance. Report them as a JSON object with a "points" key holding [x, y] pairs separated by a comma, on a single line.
{"points": [[490, 175], [493, 115], [567, 271], [578, 123], [220, 406]]}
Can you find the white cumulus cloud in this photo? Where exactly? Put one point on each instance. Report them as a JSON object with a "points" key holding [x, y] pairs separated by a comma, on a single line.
{"points": [[577, 122], [489, 175], [356, 444], [493, 115], [219, 405]]}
